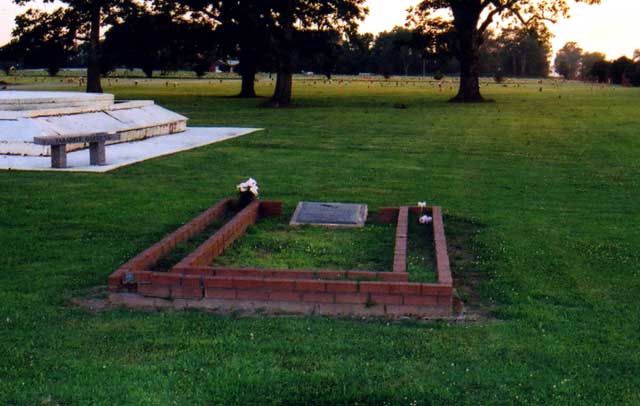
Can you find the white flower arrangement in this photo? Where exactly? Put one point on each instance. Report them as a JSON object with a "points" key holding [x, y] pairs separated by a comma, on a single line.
{"points": [[250, 185], [424, 218]]}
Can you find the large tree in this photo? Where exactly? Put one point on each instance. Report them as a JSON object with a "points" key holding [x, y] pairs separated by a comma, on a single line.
{"points": [[90, 16], [525, 51], [568, 59], [588, 60], [159, 39], [291, 15], [243, 29], [394, 52], [469, 20], [42, 39]]}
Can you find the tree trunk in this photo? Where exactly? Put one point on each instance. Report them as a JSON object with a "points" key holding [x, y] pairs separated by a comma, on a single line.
{"points": [[93, 66], [282, 94], [248, 89], [469, 57], [248, 70], [284, 80], [248, 73], [469, 39]]}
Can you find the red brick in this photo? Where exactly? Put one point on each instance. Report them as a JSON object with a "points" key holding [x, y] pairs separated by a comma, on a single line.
{"points": [[240, 272], [435, 290], [192, 281], [394, 276], [386, 299], [214, 293], [285, 296], [295, 274], [186, 292], [252, 295], [342, 286], [162, 291], [279, 284], [318, 297], [143, 276], [115, 280], [400, 263], [445, 300], [405, 288], [374, 287], [363, 275], [401, 246], [442, 265], [355, 298], [331, 275], [217, 283], [310, 286], [164, 278], [227, 272], [420, 300], [194, 270], [241, 283]]}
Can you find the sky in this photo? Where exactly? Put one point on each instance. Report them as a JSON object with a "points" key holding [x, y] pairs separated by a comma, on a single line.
{"points": [[611, 27]]}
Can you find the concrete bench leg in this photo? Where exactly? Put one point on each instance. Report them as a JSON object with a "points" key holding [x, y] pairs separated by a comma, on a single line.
{"points": [[97, 154], [59, 156]]}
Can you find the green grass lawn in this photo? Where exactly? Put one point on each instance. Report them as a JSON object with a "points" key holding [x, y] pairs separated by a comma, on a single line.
{"points": [[545, 184], [272, 243]]}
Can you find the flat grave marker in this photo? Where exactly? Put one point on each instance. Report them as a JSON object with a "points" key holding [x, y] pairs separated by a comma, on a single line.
{"points": [[330, 214]]}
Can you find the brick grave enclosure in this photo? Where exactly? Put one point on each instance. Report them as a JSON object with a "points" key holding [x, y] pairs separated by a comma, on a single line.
{"points": [[194, 283]]}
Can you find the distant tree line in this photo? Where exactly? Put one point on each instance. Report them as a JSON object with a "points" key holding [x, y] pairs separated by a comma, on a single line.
{"points": [[186, 34], [287, 36], [154, 40], [573, 63]]}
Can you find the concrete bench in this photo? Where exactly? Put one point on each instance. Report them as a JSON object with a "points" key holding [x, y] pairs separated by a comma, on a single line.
{"points": [[97, 154]]}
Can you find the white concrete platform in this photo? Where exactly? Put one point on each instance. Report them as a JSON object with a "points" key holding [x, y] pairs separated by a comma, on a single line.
{"points": [[28, 114], [128, 153], [17, 100]]}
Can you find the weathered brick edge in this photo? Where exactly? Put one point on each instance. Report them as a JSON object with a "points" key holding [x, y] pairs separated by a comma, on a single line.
{"points": [[147, 258], [388, 215], [153, 254], [193, 284]]}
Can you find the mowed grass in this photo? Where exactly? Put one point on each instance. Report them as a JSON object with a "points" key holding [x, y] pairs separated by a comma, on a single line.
{"points": [[551, 179], [273, 244]]}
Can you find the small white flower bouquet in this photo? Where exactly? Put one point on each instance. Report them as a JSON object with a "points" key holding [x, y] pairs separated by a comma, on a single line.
{"points": [[250, 185], [424, 218], [248, 191]]}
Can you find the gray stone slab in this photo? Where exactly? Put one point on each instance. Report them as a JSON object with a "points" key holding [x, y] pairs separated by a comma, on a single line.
{"points": [[76, 139], [330, 214], [97, 153]]}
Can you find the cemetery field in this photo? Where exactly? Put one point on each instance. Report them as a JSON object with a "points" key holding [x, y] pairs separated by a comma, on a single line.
{"points": [[541, 187]]}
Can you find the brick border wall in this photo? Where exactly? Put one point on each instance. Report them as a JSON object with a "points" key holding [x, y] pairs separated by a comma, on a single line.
{"points": [[443, 268], [194, 284], [162, 248]]}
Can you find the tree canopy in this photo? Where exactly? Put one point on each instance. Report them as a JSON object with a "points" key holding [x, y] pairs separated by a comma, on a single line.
{"points": [[468, 20], [85, 21]]}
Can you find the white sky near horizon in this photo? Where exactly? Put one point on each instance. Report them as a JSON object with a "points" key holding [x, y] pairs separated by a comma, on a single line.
{"points": [[611, 27]]}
